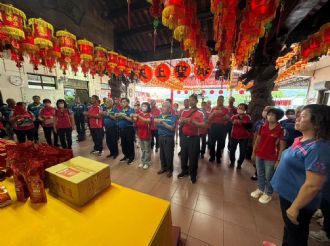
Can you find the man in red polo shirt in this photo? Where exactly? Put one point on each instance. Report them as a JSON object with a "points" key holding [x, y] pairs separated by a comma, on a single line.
{"points": [[96, 124], [218, 119], [155, 113], [192, 121], [240, 134], [232, 110]]}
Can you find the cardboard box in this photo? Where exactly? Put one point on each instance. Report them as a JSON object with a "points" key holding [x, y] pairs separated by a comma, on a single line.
{"points": [[78, 180]]}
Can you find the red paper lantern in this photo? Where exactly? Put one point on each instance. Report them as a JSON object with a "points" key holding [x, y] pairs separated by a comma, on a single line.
{"points": [[86, 49], [12, 22], [122, 63], [42, 32], [112, 59], [145, 74], [203, 92], [203, 73], [178, 92], [186, 92], [211, 92], [182, 70], [241, 92], [220, 92], [162, 72], [129, 67], [67, 42]]}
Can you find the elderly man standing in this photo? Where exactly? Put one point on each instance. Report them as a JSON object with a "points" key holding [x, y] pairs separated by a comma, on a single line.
{"points": [[166, 123], [155, 112]]}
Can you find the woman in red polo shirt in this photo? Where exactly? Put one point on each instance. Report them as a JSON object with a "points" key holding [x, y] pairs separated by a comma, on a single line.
{"points": [[22, 120], [46, 116], [142, 122], [64, 124], [267, 152], [240, 134]]}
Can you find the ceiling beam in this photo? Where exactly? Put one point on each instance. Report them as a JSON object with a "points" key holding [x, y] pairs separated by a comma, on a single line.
{"points": [[135, 6], [202, 16]]}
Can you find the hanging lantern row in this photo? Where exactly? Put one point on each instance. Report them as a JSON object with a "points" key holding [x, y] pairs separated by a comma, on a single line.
{"points": [[35, 38], [224, 26], [292, 70], [256, 19], [283, 60], [212, 92], [180, 16], [316, 44]]}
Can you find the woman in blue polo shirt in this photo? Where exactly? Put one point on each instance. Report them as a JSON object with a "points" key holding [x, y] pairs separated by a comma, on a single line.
{"points": [[301, 176]]}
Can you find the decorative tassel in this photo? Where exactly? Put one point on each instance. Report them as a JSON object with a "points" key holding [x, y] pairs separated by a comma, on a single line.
{"points": [[155, 36]]}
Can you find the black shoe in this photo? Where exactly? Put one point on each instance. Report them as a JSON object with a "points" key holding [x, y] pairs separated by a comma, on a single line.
{"points": [[169, 174], [231, 165], [254, 178], [156, 150], [130, 161], [179, 153], [114, 156], [211, 159], [182, 174], [123, 159], [218, 160], [99, 153], [161, 171], [202, 156], [193, 180], [108, 156], [239, 166], [57, 145]]}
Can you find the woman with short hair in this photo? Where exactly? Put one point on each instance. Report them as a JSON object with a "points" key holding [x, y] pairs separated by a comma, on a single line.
{"points": [[302, 177]]}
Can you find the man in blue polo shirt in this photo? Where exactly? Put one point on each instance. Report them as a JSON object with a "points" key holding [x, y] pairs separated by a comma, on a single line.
{"points": [[35, 108], [127, 132], [78, 109], [166, 130], [111, 127]]}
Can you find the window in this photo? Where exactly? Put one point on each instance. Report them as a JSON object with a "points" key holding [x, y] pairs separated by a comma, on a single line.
{"points": [[44, 82], [105, 86]]}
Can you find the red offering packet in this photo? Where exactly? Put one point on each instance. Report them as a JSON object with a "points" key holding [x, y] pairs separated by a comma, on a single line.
{"points": [[34, 179], [21, 188]]}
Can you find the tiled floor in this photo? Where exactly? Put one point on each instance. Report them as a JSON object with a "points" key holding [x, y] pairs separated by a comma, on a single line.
{"points": [[217, 210]]}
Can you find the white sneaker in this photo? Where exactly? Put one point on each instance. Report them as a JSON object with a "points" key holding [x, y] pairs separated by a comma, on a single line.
{"points": [[145, 166], [320, 236], [140, 165], [256, 194], [264, 199], [318, 214]]}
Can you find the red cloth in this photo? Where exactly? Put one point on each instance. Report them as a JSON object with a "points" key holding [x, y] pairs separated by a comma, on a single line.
{"points": [[119, 107], [95, 122], [155, 113], [143, 128], [63, 119], [238, 130], [47, 113], [268, 146], [217, 118], [190, 129], [25, 120]]}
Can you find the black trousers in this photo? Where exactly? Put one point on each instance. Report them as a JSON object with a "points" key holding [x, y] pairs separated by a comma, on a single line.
{"points": [[295, 235], [190, 150], [166, 144], [127, 136], [48, 135], [228, 133], [80, 126], [154, 139], [97, 136], [22, 135], [111, 134], [65, 135], [242, 150], [217, 136], [325, 207], [203, 148], [37, 123]]}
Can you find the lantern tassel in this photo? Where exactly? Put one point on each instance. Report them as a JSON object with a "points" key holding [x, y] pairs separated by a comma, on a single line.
{"points": [[155, 39]]}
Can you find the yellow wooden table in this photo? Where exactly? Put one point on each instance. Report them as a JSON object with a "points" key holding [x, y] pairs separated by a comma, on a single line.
{"points": [[118, 216]]}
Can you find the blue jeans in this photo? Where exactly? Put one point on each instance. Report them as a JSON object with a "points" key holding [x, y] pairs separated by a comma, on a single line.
{"points": [[265, 171]]}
